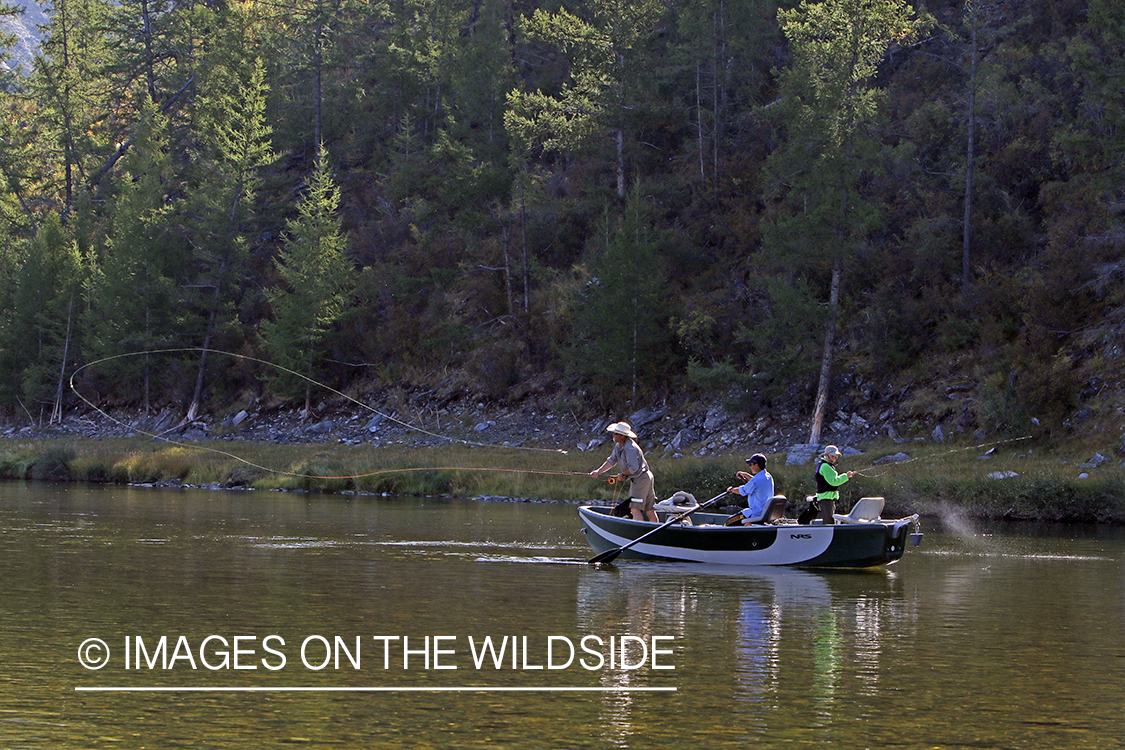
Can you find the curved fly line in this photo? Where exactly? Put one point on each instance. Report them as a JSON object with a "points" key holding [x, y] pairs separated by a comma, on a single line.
{"points": [[318, 384]]}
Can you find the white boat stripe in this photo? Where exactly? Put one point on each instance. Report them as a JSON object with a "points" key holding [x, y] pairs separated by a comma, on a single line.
{"points": [[793, 545]]}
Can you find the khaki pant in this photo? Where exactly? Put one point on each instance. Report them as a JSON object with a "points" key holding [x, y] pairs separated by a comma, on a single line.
{"points": [[642, 492]]}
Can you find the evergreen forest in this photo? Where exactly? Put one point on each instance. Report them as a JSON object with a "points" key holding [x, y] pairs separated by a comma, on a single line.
{"points": [[603, 203]]}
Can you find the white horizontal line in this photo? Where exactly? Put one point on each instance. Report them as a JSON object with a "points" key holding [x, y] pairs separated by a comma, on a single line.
{"points": [[461, 689]]}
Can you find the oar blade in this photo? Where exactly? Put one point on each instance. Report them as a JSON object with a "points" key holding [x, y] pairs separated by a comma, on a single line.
{"points": [[611, 554], [608, 556]]}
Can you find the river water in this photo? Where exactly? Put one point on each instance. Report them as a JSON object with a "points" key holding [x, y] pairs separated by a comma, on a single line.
{"points": [[262, 620]]}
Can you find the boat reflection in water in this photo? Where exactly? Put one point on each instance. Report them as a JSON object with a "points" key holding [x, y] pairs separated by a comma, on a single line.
{"points": [[754, 638]]}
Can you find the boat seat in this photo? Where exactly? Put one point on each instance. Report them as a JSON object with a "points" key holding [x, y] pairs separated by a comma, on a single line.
{"points": [[681, 502], [678, 503], [774, 510], [865, 510]]}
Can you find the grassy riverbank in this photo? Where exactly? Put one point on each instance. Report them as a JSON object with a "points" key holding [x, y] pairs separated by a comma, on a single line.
{"points": [[1049, 485]]}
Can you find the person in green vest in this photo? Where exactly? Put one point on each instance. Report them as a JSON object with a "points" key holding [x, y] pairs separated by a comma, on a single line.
{"points": [[827, 482]]}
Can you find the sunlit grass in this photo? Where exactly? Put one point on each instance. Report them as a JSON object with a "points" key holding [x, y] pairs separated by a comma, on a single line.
{"points": [[936, 476], [1048, 482]]}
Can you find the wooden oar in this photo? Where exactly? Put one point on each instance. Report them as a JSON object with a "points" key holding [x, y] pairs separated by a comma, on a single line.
{"points": [[611, 554]]}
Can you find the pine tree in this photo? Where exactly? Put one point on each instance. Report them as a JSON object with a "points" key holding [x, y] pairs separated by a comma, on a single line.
{"points": [[317, 281], [236, 147], [22, 172], [41, 331], [719, 62], [830, 104], [147, 56], [316, 44], [1099, 135], [619, 331], [73, 90], [606, 57], [131, 293]]}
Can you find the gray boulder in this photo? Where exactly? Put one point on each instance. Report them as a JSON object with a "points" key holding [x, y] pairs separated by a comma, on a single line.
{"points": [[645, 416], [716, 418], [1097, 460], [683, 439], [321, 428], [801, 454]]}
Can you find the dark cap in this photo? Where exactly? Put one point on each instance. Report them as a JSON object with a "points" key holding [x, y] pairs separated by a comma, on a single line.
{"points": [[757, 458]]}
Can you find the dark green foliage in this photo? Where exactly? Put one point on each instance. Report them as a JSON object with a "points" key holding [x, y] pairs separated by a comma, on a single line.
{"points": [[40, 463], [131, 293], [783, 339], [41, 325], [317, 281], [53, 463], [634, 201], [619, 318]]}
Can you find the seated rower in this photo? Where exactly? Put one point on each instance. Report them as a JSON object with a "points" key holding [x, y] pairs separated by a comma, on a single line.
{"points": [[758, 491]]}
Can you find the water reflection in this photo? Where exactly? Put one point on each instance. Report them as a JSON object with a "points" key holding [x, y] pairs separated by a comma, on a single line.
{"points": [[1014, 633], [622, 600], [763, 611], [770, 634]]}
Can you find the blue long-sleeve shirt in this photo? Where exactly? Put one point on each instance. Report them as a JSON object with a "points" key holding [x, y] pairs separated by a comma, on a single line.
{"points": [[758, 493]]}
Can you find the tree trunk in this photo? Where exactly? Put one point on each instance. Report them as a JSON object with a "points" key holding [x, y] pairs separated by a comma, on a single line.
{"points": [[716, 104], [966, 226], [56, 410], [699, 124], [150, 73], [821, 404], [197, 396], [64, 103], [523, 241], [318, 65], [148, 385], [620, 162], [506, 233]]}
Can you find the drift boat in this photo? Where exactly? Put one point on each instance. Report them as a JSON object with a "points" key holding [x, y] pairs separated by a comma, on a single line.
{"points": [[860, 539]]}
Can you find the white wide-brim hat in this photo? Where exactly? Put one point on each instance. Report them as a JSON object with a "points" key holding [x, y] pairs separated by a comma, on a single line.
{"points": [[621, 428]]}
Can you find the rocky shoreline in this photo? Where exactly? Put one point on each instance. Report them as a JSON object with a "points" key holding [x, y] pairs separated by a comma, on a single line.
{"points": [[663, 432], [1087, 489]]}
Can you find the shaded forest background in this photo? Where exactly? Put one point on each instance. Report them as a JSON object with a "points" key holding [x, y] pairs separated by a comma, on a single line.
{"points": [[592, 203]]}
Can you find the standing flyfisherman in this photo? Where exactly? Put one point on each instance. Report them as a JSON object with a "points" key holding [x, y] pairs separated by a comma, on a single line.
{"points": [[827, 482], [630, 462]]}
